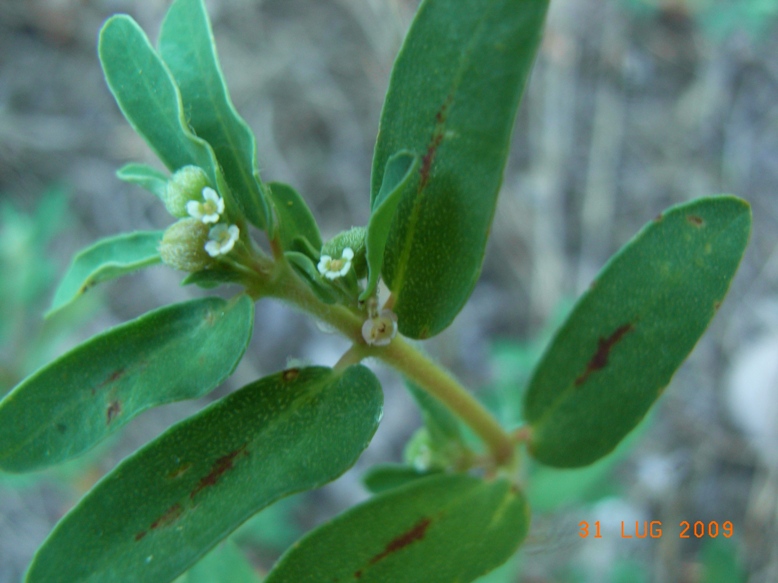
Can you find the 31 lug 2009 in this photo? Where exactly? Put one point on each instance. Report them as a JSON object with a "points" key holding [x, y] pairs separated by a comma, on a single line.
{"points": [[654, 529]]}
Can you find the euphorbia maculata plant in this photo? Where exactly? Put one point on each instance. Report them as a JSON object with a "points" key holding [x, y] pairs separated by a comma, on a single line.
{"points": [[457, 510]]}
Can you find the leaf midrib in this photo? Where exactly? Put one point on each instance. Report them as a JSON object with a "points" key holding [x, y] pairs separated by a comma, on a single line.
{"points": [[219, 111], [132, 32], [571, 388], [463, 62]]}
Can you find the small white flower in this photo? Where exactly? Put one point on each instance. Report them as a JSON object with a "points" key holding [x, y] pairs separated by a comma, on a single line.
{"points": [[209, 210], [380, 330], [335, 268], [221, 239]]}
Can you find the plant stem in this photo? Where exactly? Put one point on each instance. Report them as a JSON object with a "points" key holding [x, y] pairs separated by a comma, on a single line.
{"points": [[284, 284], [440, 384], [352, 356]]}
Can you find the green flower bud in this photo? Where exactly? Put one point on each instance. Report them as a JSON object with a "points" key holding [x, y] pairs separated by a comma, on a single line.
{"points": [[353, 239], [186, 184], [183, 246]]}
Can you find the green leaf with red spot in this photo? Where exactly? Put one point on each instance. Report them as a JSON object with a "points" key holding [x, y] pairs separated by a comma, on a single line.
{"points": [[177, 352], [632, 329], [107, 259], [166, 505], [452, 99], [438, 529], [186, 45]]}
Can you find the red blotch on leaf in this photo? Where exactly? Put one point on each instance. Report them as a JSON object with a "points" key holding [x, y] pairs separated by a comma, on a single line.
{"points": [[219, 468], [112, 378], [414, 534], [179, 471], [600, 358], [426, 162], [290, 374], [435, 141], [695, 220], [115, 376], [113, 410], [169, 517], [140, 535]]}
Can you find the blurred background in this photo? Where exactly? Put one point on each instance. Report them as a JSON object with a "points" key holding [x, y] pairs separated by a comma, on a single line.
{"points": [[633, 105]]}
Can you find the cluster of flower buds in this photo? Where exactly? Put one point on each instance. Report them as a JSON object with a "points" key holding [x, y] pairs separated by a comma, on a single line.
{"points": [[193, 243], [344, 251], [348, 251]]}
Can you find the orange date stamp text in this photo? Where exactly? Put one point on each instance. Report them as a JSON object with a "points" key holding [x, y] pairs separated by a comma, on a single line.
{"points": [[654, 529]]}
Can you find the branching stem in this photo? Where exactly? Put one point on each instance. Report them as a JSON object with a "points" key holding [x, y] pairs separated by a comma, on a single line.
{"points": [[443, 386], [284, 284]]}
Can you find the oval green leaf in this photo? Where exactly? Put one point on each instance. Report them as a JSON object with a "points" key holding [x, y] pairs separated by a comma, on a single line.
{"points": [[224, 564], [632, 329], [550, 489], [146, 177], [177, 352], [295, 219], [214, 277], [434, 530], [398, 175], [105, 260], [453, 96], [186, 45], [149, 98], [165, 506], [383, 477]]}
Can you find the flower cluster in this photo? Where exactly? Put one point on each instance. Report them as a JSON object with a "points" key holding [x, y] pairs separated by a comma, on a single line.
{"points": [[192, 243], [209, 210], [221, 237], [335, 268]]}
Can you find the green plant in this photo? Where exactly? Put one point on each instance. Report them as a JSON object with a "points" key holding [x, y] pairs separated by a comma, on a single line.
{"points": [[439, 157]]}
